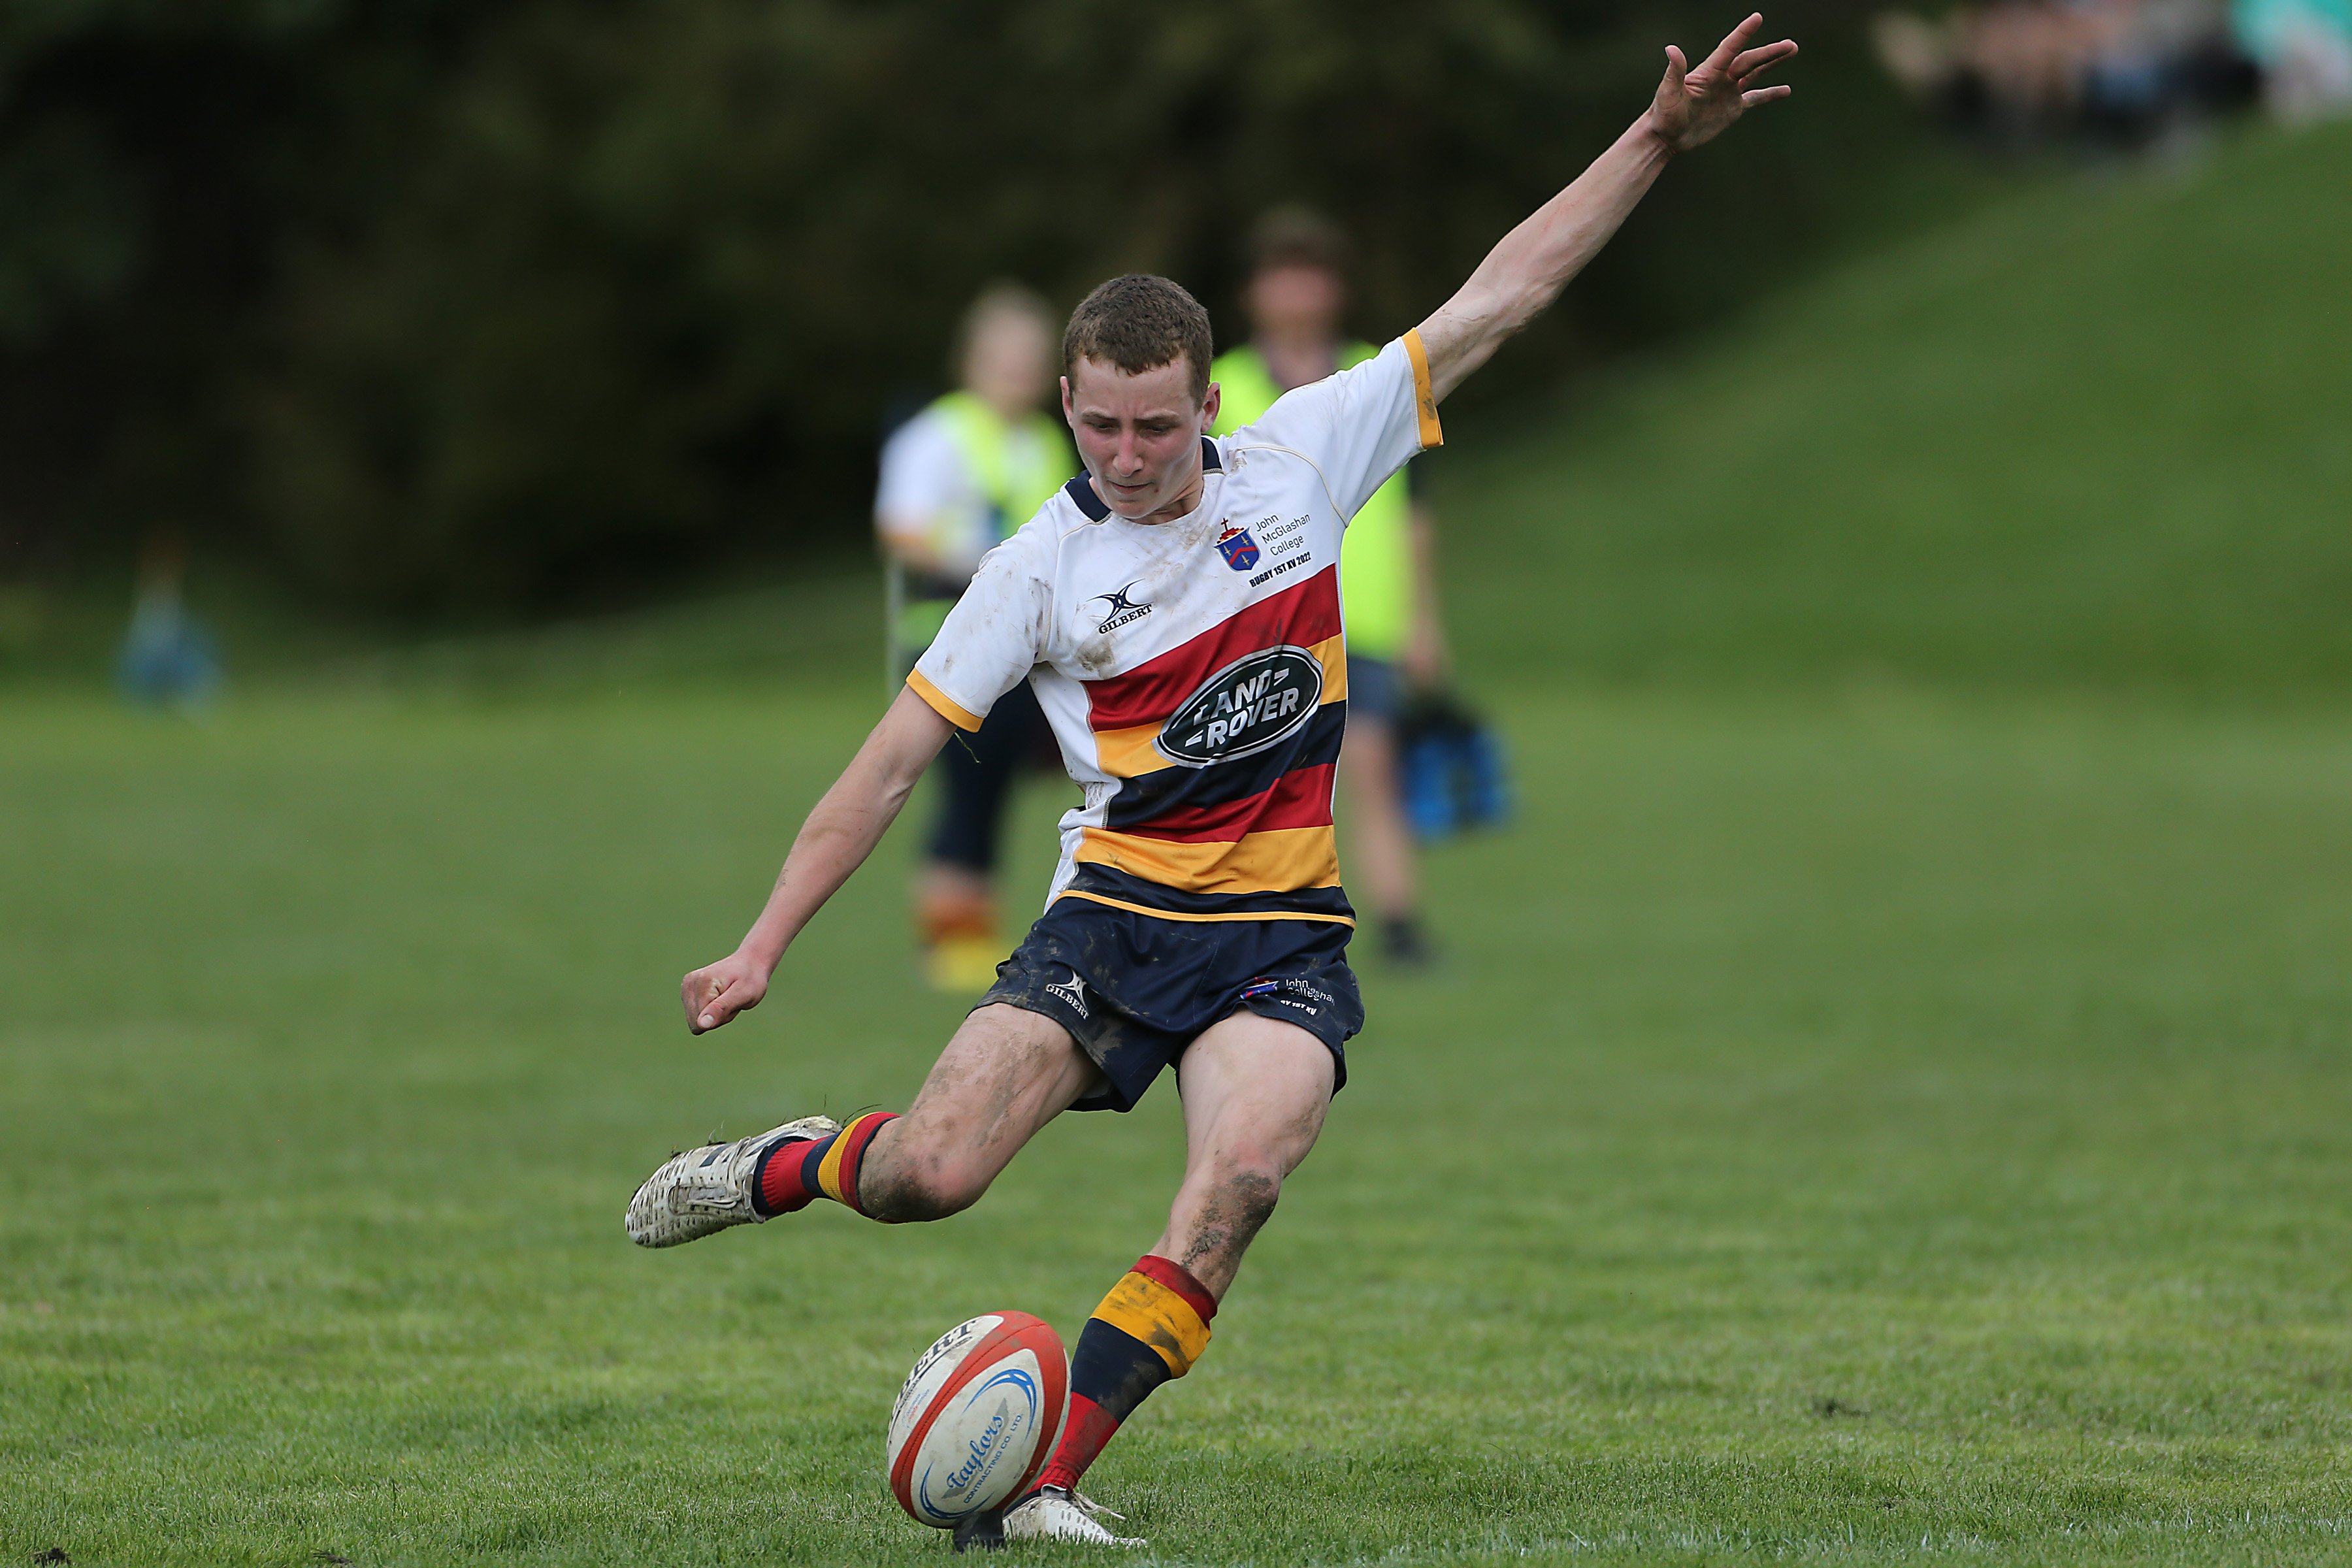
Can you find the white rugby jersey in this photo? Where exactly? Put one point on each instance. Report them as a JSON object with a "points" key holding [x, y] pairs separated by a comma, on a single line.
{"points": [[1195, 672]]}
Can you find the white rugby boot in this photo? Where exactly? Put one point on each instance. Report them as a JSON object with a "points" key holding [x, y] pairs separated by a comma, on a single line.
{"points": [[706, 1190], [1056, 1515]]}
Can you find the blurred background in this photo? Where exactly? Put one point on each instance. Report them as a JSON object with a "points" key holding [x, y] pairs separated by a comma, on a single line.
{"points": [[398, 314]]}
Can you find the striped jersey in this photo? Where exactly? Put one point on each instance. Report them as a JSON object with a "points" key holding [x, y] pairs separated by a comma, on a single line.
{"points": [[1196, 672]]}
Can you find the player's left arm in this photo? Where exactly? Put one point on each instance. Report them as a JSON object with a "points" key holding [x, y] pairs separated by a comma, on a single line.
{"points": [[1526, 272], [838, 836]]}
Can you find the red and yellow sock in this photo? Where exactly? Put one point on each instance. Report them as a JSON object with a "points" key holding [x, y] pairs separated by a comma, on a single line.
{"points": [[1152, 1326], [794, 1174]]}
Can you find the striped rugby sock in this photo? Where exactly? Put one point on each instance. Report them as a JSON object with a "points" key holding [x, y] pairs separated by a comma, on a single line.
{"points": [[793, 1175], [1152, 1326]]}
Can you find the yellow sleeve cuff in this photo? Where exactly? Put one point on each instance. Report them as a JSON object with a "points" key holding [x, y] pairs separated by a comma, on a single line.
{"points": [[967, 722], [1425, 395]]}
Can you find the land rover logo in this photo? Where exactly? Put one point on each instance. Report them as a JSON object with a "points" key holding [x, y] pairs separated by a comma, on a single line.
{"points": [[1254, 702]]}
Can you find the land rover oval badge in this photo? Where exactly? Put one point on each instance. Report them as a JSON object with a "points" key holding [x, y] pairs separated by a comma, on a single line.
{"points": [[1256, 701]]}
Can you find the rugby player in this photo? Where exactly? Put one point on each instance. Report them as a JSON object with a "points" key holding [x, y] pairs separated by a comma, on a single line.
{"points": [[1176, 609]]}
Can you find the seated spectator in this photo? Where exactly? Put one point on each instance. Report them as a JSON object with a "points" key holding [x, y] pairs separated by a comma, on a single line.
{"points": [[2024, 72]]}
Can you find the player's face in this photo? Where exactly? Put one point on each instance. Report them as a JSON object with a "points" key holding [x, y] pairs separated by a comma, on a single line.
{"points": [[1296, 302], [1139, 435]]}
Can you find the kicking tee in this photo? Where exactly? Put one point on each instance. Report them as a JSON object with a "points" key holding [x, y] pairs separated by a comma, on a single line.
{"points": [[1195, 672]]}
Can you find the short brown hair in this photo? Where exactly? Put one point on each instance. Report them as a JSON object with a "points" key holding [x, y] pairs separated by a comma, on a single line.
{"points": [[1297, 236], [1140, 322]]}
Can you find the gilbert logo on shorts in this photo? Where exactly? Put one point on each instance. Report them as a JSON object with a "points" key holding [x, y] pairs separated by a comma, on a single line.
{"points": [[1072, 991], [1255, 703]]}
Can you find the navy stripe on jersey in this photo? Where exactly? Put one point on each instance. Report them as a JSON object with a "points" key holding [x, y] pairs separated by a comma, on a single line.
{"points": [[1102, 881]]}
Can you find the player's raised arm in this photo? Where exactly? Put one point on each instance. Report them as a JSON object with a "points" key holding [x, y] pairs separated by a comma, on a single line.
{"points": [[1524, 273], [838, 836]]}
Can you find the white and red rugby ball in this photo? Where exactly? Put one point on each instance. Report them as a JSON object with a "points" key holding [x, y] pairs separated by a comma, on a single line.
{"points": [[978, 1417]]}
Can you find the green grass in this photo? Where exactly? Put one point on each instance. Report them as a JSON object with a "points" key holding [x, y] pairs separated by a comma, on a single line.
{"points": [[2097, 434], [1878, 1129]]}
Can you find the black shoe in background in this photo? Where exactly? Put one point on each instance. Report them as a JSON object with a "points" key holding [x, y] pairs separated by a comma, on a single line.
{"points": [[1404, 945]]}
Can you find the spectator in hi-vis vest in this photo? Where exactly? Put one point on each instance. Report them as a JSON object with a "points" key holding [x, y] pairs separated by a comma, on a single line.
{"points": [[956, 480], [1297, 293]]}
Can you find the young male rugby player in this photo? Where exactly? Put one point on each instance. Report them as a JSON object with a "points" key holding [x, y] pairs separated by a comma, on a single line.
{"points": [[1176, 609]]}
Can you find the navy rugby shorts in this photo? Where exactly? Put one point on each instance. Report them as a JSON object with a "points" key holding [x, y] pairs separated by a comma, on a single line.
{"points": [[1135, 991]]}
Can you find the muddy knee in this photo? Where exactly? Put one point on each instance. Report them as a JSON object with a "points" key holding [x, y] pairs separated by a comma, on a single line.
{"points": [[920, 1187]]}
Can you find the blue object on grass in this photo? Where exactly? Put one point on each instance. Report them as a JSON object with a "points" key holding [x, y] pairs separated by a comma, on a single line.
{"points": [[1454, 772]]}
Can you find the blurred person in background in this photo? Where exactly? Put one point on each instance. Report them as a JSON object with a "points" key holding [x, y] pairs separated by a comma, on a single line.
{"points": [[1295, 300], [956, 478], [2026, 72], [167, 658]]}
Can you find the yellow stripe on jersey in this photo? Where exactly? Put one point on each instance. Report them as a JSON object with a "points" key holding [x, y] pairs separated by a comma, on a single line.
{"points": [[1144, 1309], [961, 718], [1424, 394], [1279, 860], [1331, 653], [1129, 752]]}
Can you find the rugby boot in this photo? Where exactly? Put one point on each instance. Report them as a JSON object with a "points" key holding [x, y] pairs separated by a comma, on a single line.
{"points": [[706, 1190], [1049, 1513]]}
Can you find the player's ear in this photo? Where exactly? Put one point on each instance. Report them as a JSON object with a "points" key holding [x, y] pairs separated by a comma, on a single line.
{"points": [[1209, 406], [1068, 417]]}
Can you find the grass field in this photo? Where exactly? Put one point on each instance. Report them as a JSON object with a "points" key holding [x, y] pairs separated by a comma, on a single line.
{"points": [[1886, 1100], [1879, 1129]]}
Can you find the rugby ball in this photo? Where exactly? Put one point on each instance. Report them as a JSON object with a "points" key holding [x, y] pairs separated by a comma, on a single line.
{"points": [[977, 1419]]}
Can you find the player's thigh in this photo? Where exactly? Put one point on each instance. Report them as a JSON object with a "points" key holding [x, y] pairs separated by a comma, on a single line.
{"points": [[1255, 1089], [1006, 1074]]}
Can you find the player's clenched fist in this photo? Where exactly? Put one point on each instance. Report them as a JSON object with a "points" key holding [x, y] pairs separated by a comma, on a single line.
{"points": [[717, 993]]}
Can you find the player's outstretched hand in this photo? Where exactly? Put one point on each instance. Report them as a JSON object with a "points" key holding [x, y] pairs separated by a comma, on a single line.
{"points": [[717, 993], [1694, 107]]}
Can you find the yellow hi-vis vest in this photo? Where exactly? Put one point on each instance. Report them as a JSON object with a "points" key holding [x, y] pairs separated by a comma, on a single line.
{"points": [[1376, 557], [1014, 478]]}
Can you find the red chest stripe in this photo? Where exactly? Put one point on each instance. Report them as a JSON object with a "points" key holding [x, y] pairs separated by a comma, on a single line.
{"points": [[1301, 615], [1300, 798]]}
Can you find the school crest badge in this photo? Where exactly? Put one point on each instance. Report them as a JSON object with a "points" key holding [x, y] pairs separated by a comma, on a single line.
{"points": [[1237, 547]]}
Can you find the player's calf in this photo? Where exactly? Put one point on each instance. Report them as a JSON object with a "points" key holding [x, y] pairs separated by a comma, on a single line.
{"points": [[1219, 1212]]}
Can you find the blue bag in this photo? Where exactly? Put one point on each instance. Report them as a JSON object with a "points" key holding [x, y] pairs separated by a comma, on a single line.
{"points": [[1453, 767]]}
